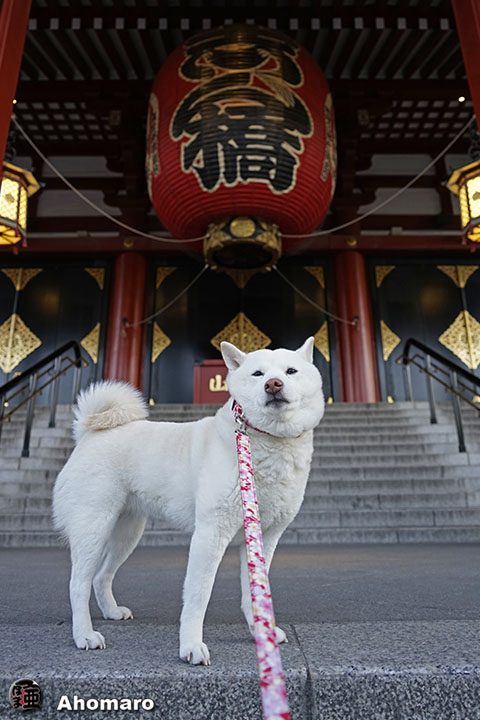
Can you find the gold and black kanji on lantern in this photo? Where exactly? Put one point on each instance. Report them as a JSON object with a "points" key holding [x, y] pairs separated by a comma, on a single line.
{"points": [[240, 144]]}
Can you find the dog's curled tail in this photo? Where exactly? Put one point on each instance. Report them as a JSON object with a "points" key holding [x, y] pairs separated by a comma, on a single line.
{"points": [[106, 405]]}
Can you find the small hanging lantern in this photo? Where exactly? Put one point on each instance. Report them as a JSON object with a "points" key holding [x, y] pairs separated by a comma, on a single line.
{"points": [[465, 182], [17, 185]]}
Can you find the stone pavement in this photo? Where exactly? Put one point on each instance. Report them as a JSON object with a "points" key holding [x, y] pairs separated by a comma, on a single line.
{"points": [[386, 631]]}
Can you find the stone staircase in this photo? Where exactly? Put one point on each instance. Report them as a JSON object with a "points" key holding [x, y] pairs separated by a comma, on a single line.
{"points": [[381, 473]]}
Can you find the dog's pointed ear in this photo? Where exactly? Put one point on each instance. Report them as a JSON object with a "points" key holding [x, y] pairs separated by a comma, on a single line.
{"points": [[306, 351], [232, 356]]}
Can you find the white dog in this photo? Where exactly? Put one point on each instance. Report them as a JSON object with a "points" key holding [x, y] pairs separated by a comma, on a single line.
{"points": [[125, 468]]}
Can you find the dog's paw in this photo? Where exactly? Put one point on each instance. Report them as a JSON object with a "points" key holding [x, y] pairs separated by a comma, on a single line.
{"points": [[90, 641], [119, 613], [195, 654]]}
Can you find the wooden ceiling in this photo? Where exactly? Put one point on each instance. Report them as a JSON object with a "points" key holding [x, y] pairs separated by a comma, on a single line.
{"points": [[394, 67]]}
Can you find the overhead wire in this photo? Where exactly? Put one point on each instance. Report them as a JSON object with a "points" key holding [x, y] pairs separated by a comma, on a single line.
{"points": [[89, 202]]}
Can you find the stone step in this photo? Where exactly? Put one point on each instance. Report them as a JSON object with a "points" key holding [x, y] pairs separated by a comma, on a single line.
{"points": [[398, 445], [38, 471], [26, 504], [410, 432], [396, 459], [373, 501], [57, 453], [357, 518], [57, 437], [374, 472], [40, 500], [353, 536], [13, 482], [327, 424], [42, 459], [337, 482], [387, 518], [322, 452], [302, 536], [391, 486]]}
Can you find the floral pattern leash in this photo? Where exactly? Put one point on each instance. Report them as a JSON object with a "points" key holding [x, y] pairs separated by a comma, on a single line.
{"points": [[272, 683]]}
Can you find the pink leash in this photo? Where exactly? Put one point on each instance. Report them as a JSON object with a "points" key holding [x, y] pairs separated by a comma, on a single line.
{"points": [[272, 682]]}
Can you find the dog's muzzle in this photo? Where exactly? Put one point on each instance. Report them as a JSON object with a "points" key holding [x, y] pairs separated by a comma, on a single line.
{"points": [[274, 388]]}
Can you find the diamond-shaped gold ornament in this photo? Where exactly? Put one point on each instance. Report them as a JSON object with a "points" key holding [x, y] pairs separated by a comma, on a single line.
{"points": [[160, 341], [162, 273], [98, 275], [381, 272], [321, 341], [462, 338], [317, 272], [242, 333], [390, 340], [460, 274], [17, 341], [90, 342], [21, 276]]}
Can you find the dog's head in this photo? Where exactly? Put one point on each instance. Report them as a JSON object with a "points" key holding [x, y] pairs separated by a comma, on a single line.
{"points": [[280, 391]]}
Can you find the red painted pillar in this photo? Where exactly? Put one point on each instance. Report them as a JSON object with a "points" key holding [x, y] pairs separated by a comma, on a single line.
{"points": [[124, 346], [13, 28], [467, 17], [358, 374]]}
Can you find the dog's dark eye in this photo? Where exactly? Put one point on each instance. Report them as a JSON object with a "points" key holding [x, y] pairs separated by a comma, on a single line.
{"points": [[291, 371], [257, 373]]}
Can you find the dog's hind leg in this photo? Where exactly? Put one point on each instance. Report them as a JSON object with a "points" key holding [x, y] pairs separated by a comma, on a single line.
{"points": [[125, 536], [88, 543]]}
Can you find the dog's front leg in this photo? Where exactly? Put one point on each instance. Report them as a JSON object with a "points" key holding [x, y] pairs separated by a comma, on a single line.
{"points": [[207, 548]]}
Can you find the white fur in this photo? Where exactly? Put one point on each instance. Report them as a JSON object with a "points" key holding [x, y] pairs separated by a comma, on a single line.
{"points": [[125, 469]]}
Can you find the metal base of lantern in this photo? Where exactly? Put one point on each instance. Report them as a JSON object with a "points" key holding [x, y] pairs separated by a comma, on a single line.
{"points": [[242, 246]]}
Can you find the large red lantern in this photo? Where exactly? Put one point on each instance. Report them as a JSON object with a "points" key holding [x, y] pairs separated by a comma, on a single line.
{"points": [[240, 143]]}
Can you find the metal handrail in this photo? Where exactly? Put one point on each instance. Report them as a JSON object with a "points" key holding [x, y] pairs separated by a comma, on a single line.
{"points": [[453, 385], [24, 388]]}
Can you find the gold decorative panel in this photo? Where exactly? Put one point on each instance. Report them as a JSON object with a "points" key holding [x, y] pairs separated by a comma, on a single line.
{"points": [[21, 276], [90, 342], [17, 341], [321, 341], [162, 273], [390, 340], [317, 273], [240, 277], [98, 275], [243, 333], [160, 341], [462, 338], [460, 274], [381, 272]]}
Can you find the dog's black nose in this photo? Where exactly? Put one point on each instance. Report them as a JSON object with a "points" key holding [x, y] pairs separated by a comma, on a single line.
{"points": [[273, 386]]}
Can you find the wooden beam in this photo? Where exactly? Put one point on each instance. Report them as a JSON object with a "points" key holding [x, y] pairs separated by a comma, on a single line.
{"points": [[174, 17], [13, 26], [62, 91]]}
